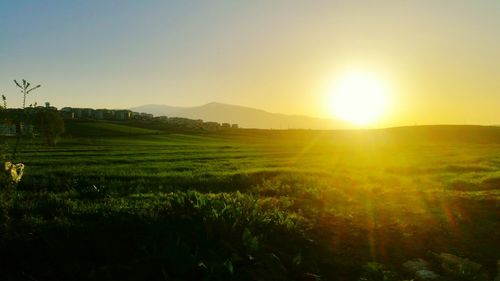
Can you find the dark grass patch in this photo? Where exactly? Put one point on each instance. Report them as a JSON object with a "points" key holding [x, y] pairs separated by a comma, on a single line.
{"points": [[185, 236], [492, 183], [489, 183]]}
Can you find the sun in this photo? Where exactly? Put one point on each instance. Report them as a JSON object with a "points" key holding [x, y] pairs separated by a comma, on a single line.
{"points": [[359, 97]]}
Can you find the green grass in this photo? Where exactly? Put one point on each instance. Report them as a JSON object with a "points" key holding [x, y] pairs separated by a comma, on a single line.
{"points": [[103, 129], [250, 204]]}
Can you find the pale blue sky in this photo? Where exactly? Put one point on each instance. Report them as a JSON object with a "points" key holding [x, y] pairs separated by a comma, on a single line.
{"points": [[441, 58]]}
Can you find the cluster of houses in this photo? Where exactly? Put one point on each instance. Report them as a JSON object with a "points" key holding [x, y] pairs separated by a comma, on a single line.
{"points": [[9, 128], [128, 115], [193, 124], [103, 114]]}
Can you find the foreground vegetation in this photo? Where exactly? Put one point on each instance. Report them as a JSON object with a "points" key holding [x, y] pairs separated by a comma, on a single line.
{"points": [[120, 202]]}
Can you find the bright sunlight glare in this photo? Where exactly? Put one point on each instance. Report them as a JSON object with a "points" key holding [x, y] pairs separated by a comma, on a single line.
{"points": [[358, 97]]}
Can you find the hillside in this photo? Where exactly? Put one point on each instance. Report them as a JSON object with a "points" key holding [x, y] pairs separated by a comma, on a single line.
{"points": [[392, 136], [245, 117], [103, 129]]}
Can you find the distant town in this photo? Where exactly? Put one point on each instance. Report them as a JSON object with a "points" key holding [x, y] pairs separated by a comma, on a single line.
{"points": [[128, 115], [74, 113]]}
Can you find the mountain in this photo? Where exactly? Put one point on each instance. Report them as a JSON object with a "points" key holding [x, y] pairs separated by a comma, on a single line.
{"points": [[245, 117]]}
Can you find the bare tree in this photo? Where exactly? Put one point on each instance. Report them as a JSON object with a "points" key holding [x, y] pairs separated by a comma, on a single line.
{"points": [[25, 89]]}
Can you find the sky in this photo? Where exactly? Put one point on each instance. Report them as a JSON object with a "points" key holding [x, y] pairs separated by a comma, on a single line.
{"points": [[440, 60]]}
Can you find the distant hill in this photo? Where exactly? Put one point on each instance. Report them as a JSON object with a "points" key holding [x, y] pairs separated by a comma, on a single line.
{"points": [[245, 117]]}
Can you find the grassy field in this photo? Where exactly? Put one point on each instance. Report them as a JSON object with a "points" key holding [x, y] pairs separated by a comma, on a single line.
{"points": [[118, 202]]}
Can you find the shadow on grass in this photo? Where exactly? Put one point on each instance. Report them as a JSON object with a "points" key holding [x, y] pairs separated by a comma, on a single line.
{"points": [[179, 236]]}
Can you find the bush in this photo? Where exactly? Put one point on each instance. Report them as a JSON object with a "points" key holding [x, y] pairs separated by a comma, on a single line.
{"points": [[50, 124]]}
